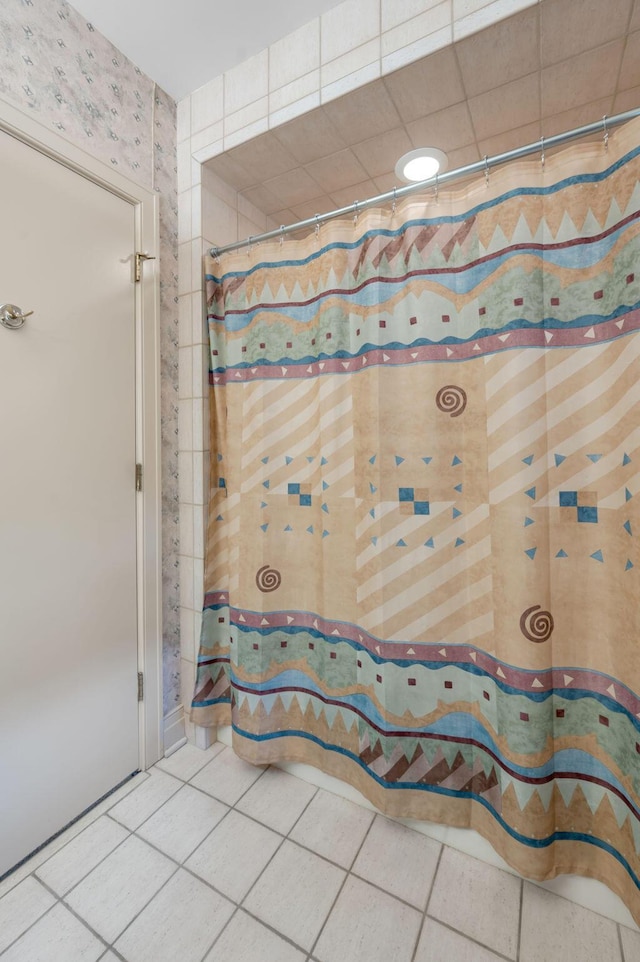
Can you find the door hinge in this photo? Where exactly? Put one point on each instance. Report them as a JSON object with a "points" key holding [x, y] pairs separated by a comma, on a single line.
{"points": [[140, 686], [140, 257], [138, 477]]}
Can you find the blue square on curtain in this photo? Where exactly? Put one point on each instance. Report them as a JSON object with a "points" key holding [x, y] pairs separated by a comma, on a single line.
{"points": [[305, 499], [568, 499], [294, 488], [421, 507], [222, 483], [589, 514], [405, 494]]}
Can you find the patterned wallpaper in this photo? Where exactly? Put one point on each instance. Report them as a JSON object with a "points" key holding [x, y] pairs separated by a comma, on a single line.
{"points": [[73, 80]]}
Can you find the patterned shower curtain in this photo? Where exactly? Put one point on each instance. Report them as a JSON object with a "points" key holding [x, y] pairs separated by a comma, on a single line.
{"points": [[422, 567]]}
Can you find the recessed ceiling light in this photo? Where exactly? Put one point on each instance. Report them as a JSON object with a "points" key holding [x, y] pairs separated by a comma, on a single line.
{"points": [[421, 164]]}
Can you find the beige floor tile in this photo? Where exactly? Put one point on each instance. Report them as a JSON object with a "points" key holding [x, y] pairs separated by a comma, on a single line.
{"points": [[234, 855], [180, 923], [188, 760], [65, 869], [630, 944], [183, 822], [569, 931], [440, 944], [227, 777], [247, 940], [399, 860], [136, 807], [333, 827], [277, 800], [367, 925], [295, 893], [470, 896], [114, 892], [20, 908], [56, 937]]}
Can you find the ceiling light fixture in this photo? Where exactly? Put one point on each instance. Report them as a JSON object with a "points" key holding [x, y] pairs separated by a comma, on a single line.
{"points": [[421, 164]]}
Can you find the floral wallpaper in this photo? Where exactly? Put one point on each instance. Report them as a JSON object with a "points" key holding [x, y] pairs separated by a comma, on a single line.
{"points": [[75, 81]]}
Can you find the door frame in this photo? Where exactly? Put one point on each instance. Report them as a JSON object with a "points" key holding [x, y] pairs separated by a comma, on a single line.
{"points": [[147, 337]]}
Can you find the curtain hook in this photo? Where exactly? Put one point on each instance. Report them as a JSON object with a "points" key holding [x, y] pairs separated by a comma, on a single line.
{"points": [[393, 206], [281, 234], [436, 187], [355, 216], [486, 170], [216, 254], [249, 239], [542, 152], [317, 228], [606, 132]]}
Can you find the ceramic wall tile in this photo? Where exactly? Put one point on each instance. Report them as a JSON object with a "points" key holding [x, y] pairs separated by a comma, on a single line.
{"points": [[435, 18], [247, 82], [348, 25], [294, 55], [207, 104]]}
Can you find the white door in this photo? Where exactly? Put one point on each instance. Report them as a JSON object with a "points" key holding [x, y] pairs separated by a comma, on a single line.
{"points": [[68, 635]]}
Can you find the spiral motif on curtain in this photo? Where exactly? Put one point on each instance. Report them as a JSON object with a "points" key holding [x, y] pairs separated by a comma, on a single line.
{"points": [[451, 400], [268, 579], [535, 624]]}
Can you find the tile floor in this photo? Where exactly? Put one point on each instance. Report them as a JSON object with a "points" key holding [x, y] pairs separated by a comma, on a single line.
{"points": [[208, 859]]}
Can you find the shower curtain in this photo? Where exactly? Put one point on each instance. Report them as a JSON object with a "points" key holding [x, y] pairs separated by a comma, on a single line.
{"points": [[422, 568]]}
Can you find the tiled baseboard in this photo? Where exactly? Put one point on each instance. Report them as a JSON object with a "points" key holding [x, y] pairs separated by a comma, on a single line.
{"points": [[173, 731]]}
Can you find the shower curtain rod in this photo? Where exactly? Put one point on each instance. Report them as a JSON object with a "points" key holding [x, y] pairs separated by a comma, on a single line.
{"points": [[481, 166]]}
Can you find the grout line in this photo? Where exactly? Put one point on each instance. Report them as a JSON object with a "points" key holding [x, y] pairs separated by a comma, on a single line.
{"points": [[39, 919], [398, 898], [470, 938], [424, 913], [258, 877], [101, 937], [621, 946], [518, 943], [223, 929], [344, 882], [80, 880], [72, 911], [281, 935]]}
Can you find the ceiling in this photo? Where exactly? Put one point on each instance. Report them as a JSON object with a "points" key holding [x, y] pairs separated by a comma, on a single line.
{"points": [[182, 45], [554, 66]]}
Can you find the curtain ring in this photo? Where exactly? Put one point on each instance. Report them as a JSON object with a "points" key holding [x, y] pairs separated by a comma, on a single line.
{"points": [[436, 192], [542, 152], [393, 206], [249, 245], [355, 216], [281, 234], [317, 228], [216, 254], [486, 170], [606, 132]]}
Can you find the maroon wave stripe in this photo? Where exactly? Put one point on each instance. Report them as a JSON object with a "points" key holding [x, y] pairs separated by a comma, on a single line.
{"points": [[433, 271], [488, 344], [454, 739], [214, 661], [551, 679]]}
